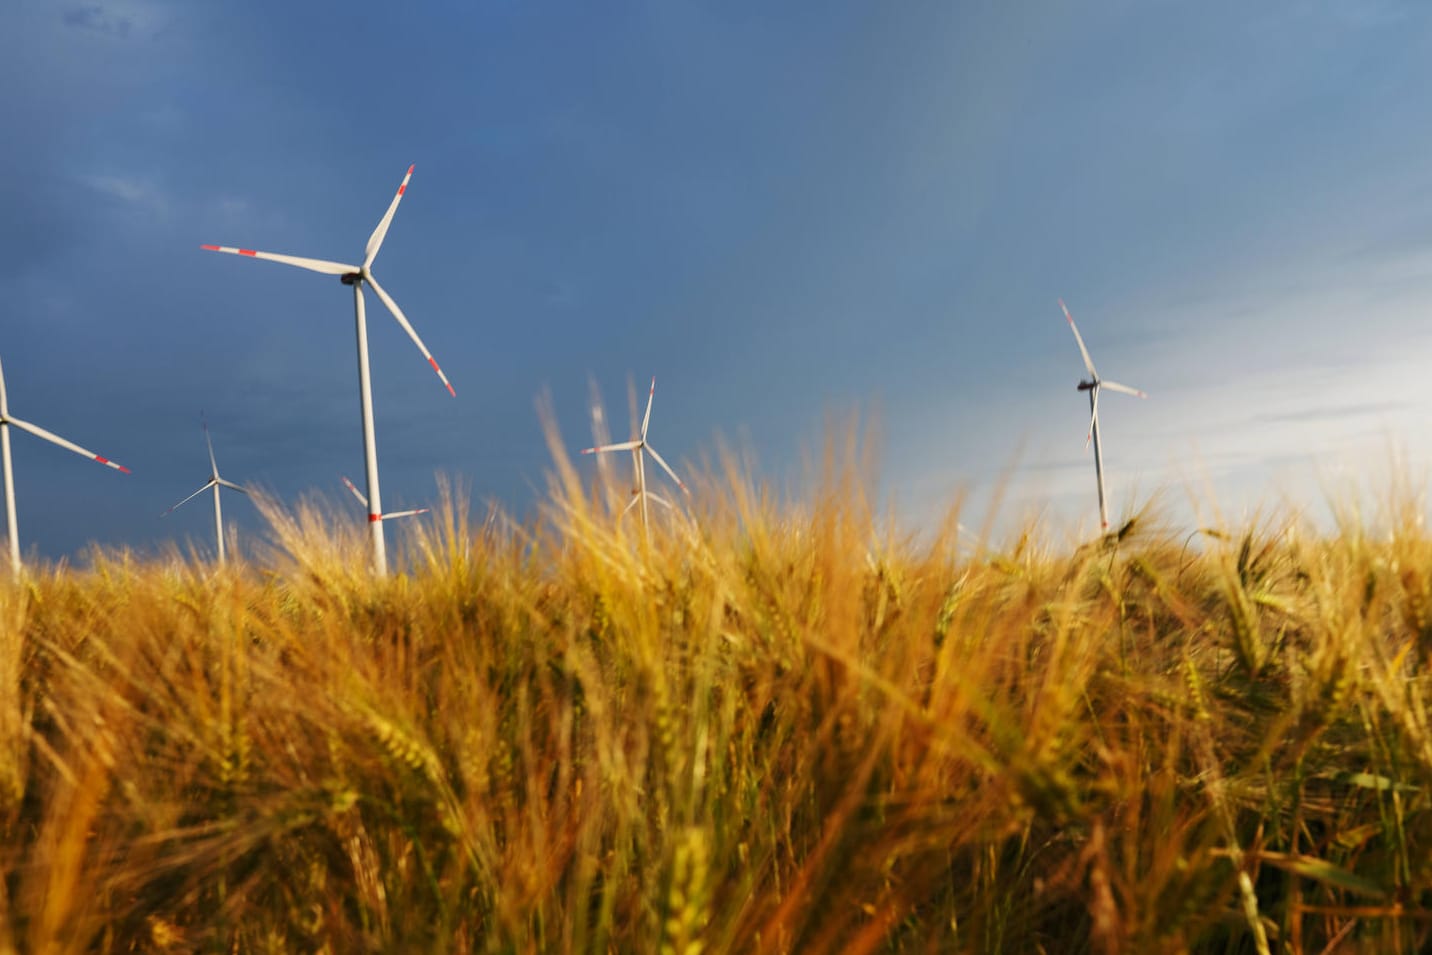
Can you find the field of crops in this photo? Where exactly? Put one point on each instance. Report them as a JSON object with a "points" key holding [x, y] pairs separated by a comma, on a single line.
{"points": [[774, 728]]}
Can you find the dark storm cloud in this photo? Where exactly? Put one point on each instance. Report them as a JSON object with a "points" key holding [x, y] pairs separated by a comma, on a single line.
{"points": [[773, 212], [39, 224]]}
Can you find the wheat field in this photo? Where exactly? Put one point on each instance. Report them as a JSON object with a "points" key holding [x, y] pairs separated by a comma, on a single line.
{"points": [[776, 726]]}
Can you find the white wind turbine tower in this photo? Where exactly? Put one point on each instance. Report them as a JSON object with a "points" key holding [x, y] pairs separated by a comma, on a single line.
{"points": [[357, 276], [216, 482], [637, 447], [6, 421], [1092, 386], [382, 517]]}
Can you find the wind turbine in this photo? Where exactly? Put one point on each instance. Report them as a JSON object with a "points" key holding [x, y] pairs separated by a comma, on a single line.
{"points": [[382, 517], [6, 420], [357, 276], [637, 447], [1092, 386], [216, 482]]}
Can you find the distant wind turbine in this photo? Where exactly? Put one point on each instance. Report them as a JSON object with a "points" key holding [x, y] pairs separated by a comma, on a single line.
{"points": [[382, 517], [357, 276], [1092, 386], [637, 446], [216, 482], [6, 420]]}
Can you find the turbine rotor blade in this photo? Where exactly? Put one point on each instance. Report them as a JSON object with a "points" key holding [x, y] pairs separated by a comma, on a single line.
{"points": [[1123, 389], [313, 265], [624, 446], [407, 327], [635, 499], [667, 468], [4, 402], [207, 440], [231, 485], [356, 493], [375, 241], [657, 498], [1088, 362], [646, 419], [191, 497], [53, 438], [392, 514], [1093, 418]]}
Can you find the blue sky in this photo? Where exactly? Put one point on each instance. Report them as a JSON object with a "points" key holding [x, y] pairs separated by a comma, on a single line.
{"points": [[781, 211]]}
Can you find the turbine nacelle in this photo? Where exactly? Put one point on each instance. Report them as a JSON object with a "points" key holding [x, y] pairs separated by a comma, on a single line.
{"points": [[1086, 385]]}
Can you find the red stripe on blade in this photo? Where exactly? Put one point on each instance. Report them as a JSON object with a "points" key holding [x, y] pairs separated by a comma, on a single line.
{"points": [[211, 248], [434, 363], [402, 188], [247, 252]]}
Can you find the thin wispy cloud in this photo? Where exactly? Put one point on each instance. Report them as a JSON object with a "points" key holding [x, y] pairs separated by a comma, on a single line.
{"points": [[123, 188], [97, 19], [126, 20], [1334, 412]]}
